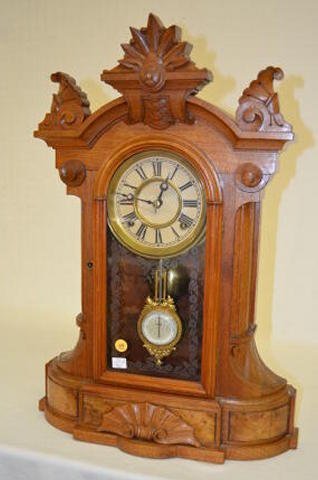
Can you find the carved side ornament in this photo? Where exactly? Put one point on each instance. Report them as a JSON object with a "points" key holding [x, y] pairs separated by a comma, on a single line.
{"points": [[156, 75], [259, 106], [70, 106], [72, 173], [148, 422]]}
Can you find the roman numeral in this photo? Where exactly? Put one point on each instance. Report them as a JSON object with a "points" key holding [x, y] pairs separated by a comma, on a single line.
{"points": [[157, 168], [126, 201], [158, 236], [141, 232], [175, 232], [130, 218], [130, 186], [174, 172], [141, 172], [185, 221], [185, 186], [190, 203]]}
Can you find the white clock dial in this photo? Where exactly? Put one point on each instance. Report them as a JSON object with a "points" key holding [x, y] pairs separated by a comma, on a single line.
{"points": [[156, 204], [159, 328]]}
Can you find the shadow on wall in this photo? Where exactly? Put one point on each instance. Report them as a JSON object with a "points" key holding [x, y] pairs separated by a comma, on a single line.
{"points": [[203, 57], [215, 93], [270, 220], [97, 92], [286, 171]]}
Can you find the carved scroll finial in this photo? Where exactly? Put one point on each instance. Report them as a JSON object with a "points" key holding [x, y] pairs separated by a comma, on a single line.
{"points": [[157, 75], [145, 421], [259, 106], [70, 106]]}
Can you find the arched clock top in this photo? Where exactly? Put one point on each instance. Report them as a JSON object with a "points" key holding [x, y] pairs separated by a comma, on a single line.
{"points": [[85, 133], [158, 81], [199, 161]]}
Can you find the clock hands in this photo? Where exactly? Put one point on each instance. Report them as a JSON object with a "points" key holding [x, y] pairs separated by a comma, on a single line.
{"points": [[156, 203], [163, 188], [131, 197], [159, 325]]}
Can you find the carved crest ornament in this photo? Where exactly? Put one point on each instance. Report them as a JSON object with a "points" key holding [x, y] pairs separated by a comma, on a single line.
{"points": [[157, 72], [156, 77]]}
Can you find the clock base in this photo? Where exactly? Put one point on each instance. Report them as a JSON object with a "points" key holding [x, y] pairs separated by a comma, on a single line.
{"points": [[162, 425]]}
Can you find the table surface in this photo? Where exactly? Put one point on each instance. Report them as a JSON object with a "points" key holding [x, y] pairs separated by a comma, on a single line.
{"points": [[32, 449]]}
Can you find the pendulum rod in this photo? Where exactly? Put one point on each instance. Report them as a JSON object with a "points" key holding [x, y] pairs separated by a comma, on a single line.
{"points": [[160, 283]]}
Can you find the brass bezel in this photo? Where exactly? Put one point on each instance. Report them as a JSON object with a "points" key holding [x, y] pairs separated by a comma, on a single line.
{"points": [[120, 233], [159, 351]]}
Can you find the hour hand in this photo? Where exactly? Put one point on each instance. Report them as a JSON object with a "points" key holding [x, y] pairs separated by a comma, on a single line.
{"points": [[143, 200], [130, 198]]}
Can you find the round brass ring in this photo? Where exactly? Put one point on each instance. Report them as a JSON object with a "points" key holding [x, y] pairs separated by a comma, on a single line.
{"points": [[143, 218], [150, 251]]}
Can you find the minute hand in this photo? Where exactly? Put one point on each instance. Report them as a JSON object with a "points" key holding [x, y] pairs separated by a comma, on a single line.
{"points": [[163, 187]]}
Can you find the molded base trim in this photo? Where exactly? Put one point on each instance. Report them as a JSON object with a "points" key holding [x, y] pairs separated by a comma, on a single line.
{"points": [[163, 425], [149, 449], [258, 452], [159, 451]]}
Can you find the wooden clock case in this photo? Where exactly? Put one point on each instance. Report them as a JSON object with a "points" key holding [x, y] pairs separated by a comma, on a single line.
{"points": [[239, 409]]}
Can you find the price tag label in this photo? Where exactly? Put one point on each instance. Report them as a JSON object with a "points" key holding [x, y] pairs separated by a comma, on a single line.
{"points": [[119, 362]]}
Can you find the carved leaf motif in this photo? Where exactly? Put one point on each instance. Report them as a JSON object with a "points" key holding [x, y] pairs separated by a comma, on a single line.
{"points": [[70, 106], [155, 45], [152, 68], [259, 106], [148, 422], [157, 112]]}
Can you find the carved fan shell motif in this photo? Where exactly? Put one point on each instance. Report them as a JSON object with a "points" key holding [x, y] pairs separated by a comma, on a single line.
{"points": [[154, 50], [156, 75], [148, 422]]}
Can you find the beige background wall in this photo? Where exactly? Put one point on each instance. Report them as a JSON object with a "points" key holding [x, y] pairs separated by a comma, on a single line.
{"points": [[39, 241], [40, 226]]}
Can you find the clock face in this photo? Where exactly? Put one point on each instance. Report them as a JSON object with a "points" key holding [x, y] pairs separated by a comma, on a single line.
{"points": [[156, 204], [159, 327]]}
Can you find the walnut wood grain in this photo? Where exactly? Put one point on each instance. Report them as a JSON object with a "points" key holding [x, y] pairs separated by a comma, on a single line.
{"points": [[235, 406]]}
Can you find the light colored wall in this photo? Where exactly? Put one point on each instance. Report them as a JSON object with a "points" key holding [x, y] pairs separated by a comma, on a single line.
{"points": [[39, 241]]}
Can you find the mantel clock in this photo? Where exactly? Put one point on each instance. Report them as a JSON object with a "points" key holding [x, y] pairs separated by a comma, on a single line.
{"points": [[170, 186]]}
